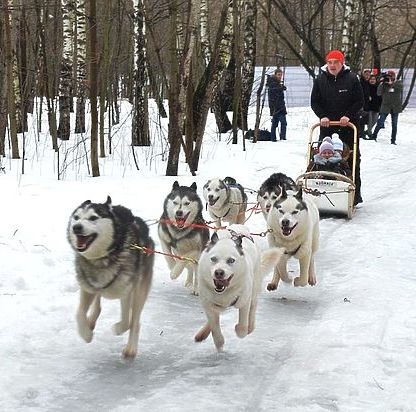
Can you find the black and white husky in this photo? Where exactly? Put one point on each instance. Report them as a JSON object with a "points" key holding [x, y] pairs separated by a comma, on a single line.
{"points": [[293, 223], [230, 271], [271, 189], [107, 266], [183, 232], [226, 201]]}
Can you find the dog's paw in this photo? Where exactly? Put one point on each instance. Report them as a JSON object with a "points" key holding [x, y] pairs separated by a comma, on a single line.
{"points": [[85, 332], [241, 330], [271, 286], [298, 281], [194, 292], [202, 334], [129, 352], [312, 281], [119, 328]]}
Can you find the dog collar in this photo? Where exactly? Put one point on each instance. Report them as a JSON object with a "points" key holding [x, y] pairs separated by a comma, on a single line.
{"points": [[294, 252], [222, 217]]}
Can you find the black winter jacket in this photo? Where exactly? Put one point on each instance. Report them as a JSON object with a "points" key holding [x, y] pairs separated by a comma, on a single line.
{"points": [[334, 97], [276, 96]]}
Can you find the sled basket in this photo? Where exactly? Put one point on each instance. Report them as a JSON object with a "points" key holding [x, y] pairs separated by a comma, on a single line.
{"points": [[333, 193]]}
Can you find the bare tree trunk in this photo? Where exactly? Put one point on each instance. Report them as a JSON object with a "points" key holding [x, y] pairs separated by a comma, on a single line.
{"points": [[93, 81], [41, 18], [104, 72], [3, 93], [249, 60], [237, 68], [11, 102], [140, 126], [259, 107], [81, 52], [206, 89], [65, 78], [219, 105]]}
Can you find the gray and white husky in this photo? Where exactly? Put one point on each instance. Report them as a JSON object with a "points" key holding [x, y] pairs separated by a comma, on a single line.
{"points": [[293, 222], [271, 189], [183, 232], [226, 201], [107, 266], [230, 271]]}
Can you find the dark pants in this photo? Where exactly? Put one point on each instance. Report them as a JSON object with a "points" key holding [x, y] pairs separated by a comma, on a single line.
{"points": [[380, 125], [279, 117], [346, 134]]}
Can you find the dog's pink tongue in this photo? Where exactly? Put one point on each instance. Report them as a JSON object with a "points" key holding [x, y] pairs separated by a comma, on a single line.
{"points": [[180, 222], [82, 242]]}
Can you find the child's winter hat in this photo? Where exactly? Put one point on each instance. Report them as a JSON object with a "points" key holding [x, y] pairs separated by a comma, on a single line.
{"points": [[335, 55], [326, 145], [336, 141]]}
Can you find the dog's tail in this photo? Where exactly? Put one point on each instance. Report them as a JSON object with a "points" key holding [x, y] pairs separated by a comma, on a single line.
{"points": [[269, 259]]}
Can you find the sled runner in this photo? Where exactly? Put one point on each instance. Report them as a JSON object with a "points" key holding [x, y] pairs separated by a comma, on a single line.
{"points": [[333, 193]]}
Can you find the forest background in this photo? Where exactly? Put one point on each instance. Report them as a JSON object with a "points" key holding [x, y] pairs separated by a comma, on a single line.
{"points": [[85, 57]]}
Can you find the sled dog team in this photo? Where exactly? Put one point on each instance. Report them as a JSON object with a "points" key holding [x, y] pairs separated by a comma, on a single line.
{"points": [[114, 253]]}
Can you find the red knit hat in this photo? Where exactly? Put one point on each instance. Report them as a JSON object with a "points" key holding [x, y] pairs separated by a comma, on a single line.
{"points": [[335, 55]]}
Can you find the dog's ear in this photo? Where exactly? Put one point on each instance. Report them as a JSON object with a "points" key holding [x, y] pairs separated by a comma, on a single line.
{"points": [[214, 238], [108, 202], [86, 203], [193, 186], [175, 184], [298, 195], [283, 192]]}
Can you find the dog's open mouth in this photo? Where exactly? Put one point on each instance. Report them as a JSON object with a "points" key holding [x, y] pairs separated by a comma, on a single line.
{"points": [[287, 230], [222, 284], [180, 221], [212, 201], [84, 242]]}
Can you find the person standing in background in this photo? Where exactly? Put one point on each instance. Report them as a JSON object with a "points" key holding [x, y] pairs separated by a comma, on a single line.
{"points": [[337, 95], [391, 92], [374, 103], [277, 104]]}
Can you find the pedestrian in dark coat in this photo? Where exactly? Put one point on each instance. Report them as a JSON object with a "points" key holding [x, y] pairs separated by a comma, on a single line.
{"points": [[373, 105], [277, 104], [337, 95], [391, 92]]}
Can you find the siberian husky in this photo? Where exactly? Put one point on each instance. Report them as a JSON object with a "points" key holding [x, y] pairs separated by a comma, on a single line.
{"points": [[183, 232], [107, 266], [294, 225], [230, 271], [270, 190], [226, 201]]}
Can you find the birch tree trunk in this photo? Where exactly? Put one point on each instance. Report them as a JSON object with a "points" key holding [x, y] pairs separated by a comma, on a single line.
{"points": [[347, 26], [93, 81], [81, 52], [140, 127], [65, 78], [210, 80], [218, 105]]}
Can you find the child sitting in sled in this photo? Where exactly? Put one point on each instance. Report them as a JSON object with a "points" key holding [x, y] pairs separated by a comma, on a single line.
{"points": [[328, 159]]}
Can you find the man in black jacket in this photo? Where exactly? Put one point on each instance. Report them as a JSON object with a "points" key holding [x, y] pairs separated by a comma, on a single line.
{"points": [[277, 104], [337, 95]]}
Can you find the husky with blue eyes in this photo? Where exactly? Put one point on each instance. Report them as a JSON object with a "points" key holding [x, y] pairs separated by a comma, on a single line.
{"points": [[183, 232], [293, 224], [111, 261], [230, 272]]}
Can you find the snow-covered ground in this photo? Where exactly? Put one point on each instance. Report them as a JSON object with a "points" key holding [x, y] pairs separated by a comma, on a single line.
{"points": [[347, 344]]}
